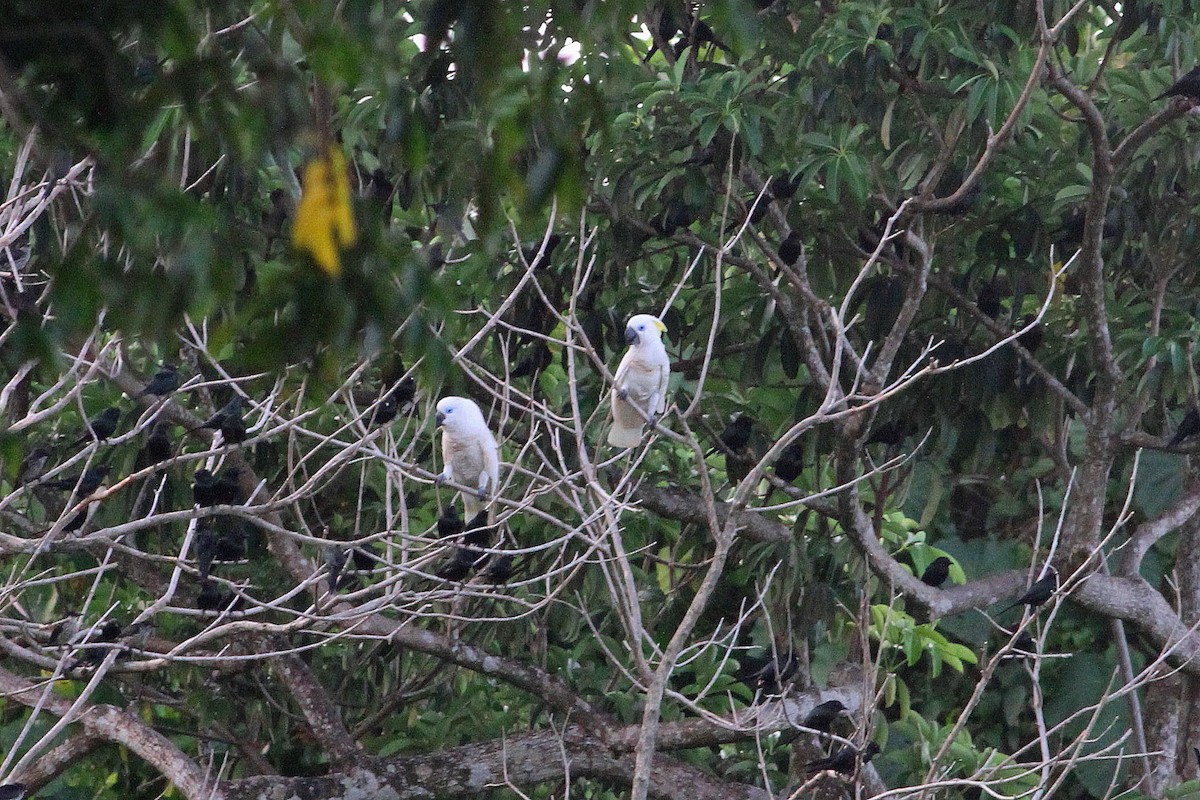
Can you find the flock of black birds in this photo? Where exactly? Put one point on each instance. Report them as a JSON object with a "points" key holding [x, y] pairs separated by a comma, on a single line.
{"points": [[218, 538]]}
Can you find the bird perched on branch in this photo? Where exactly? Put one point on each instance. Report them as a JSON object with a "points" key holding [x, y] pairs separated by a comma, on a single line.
{"points": [[640, 385], [1189, 426], [845, 760], [165, 381], [228, 421], [33, 465], [101, 426], [469, 451], [822, 716], [1188, 86], [937, 572], [1039, 592], [399, 398], [335, 561], [470, 554], [736, 437], [83, 484], [768, 675], [215, 597]]}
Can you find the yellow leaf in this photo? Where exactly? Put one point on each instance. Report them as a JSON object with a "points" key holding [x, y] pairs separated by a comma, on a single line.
{"points": [[324, 220]]}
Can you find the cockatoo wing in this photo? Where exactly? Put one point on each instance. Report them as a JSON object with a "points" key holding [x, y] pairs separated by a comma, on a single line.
{"points": [[643, 378]]}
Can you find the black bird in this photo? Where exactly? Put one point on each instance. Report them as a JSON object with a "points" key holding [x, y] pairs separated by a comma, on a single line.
{"points": [[988, 300], [737, 432], [894, 432], [790, 463], [478, 532], [760, 208], [461, 564], [1188, 426], [228, 421], [1024, 644], [768, 676], [736, 437], [822, 716], [83, 485], [206, 546], [215, 597], [469, 556], [205, 490], [1039, 592], [499, 569], [335, 560], [677, 214], [12, 791], [158, 444], [1188, 86], [537, 359], [529, 253], [165, 381], [783, 186], [33, 465], [844, 760], [399, 398], [365, 557], [229, 488], [1031, 339], [101, 426], [449, 524], [791, 247], [380, 190], [937, 572], [89, 654], [76, 522], [65, 629]]}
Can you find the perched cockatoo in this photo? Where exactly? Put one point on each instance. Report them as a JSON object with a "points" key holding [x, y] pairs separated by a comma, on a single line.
{"points": [[641, 381], [469, 451]]}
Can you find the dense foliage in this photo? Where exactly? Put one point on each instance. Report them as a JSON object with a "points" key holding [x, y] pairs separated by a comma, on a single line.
{"points": [[936, 256]]}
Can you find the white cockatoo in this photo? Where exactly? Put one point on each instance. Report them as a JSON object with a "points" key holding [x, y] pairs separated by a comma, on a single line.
{"points": [[641, 381], [469, 451]]}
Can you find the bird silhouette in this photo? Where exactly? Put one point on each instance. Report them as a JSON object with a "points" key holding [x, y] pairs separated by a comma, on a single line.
{"points": [[1188, 426], [215, 597], [158, 444], [822, 716], [499, 569], [33, 465], [937, 572], [1188, 86], [844, 761], [165, 381], [228, 421], [768, 675], [399, 398], [83, 484], [790, 463], [335, 560], [736, 434], [101, 426], [1038, 593], [791, 247]]}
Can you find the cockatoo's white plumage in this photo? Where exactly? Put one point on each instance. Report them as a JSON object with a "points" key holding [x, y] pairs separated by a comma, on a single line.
{"points": [[470, 454], [641, 379]]}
